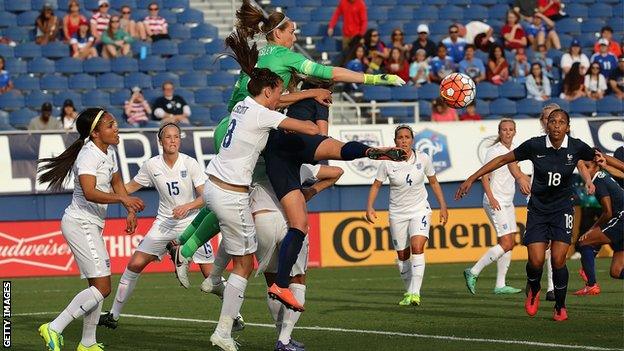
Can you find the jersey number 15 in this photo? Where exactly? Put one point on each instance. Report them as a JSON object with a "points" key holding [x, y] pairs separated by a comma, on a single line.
{"points": [[173, 188]]}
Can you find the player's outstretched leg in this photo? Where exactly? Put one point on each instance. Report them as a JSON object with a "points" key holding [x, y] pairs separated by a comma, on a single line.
{"points": [[180, 263], [206, 230], [332, 149], [188, 232], [588, 254]]}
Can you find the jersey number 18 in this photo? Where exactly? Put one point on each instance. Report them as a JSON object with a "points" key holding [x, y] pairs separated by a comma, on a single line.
{"points": [[554, 179]]}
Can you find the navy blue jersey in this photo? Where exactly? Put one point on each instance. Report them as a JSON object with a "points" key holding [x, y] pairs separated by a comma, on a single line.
{"points": [[308, 110], [619, 154], [606, 186], [552, 187]]}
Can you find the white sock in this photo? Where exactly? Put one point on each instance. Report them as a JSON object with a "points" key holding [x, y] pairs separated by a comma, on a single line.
{"points": [[222, 259], [82, 303], [89, 325], [276, 309], [491, 255], [233, 297], [551, 285], [501, 269], [291, 317], [418, 272], [124, 290], [405, 269]]}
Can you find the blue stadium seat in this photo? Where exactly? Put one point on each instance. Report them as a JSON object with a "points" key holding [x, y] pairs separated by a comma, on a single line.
{"points": [[385, 29], [386, 3], [221, 79], [55, 50], [170, 16], [36, 98], [329, 44], [179, 31], [529, 107], [119, 97], [143, 4], [498, 11], [27, 50], [583, 105], [402, 114], [440, 27], [192, 80], [555, 55], [205, 63], [228, 64], [91, 5], [424, 110], [179, 63], [124, 65], [61, 96], [139, 14], [503, 107], [309, 3], [11, 100], [53, 82], [376, 93], [110, 81], [40, 65], [410, 2], [451, 13], [616, 23], [313, 29], [299, 14], [96, 65], [217, 112], [68, 65], [483, 107], [208, 96], [7, 19], [564, 104], [429, 91], [27, 19], [96, 98], [476, 13], [591, 25], [26, 82], [15, 66], [187, 95], [610, 105], [160, 78], [227, 94], [214, 47], [81, 81], [323, 14], [137, 79], [21, 118], [117, 4], [204, 31], [152, 63], [512, 90], [191, 16], [150, 94], [576, 10], [284, 3], [602, 10], [176, 4], [405, 93], [460, 2], [401, 13], [164, 47], [191, 47], [426, 13], [19, 34], [485, 2], [380, 14], [568, 25]]}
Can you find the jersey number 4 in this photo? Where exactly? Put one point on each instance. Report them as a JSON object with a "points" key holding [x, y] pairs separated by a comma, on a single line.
{"points": [[173, 188], [227, 140], [408, 180]]}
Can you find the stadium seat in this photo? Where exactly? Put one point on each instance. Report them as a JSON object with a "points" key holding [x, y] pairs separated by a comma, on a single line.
{"points": [[143, 4], [616, 23], [191, 16], [592, 25], [379, 14], [27, 18], [61, 96], [386, 3], [400, 13], [451, 13], [221, 79], [309, 3], [81, 81], [91, 5], [55, 50], [205, 63], [119, 97], [401, 114], [192, 80], [476, 13], [36, 98], [165, 48], [228, 64], [18, 34], [110, 81], [323, 14], [429, 91], [512, 90], [7, 19], [21, 118], [187, 95], [405, 93], [68, 65], [124, 65], [610, 105], [53, 82], [217, 112], [179, 63], [159, 79], [41, 65], [191, 47], [568, 25], [15, 65], [498, 11], [179, 31], [139, 14], [136, 46], [11, 100], [200, 116], [376, 93], [299, 14], [170, 16], [215, 47], [426, 13], [208, 96], [483, 107], [576, 10], [424, 110], [602, 10], [227, 94], [176, 4], [137, 79], [485, 2], [27, 50], [385, 30], [503, 107], [96, 65], [96, 98], [204, 31], [440, 27], [529, 107], [117, 4], [26, 82], [555, 55], [564, 104], [285, 3], [152, 63], [583, 105]]}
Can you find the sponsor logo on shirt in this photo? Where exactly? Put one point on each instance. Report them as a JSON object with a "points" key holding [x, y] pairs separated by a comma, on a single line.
{"points": [[435, 145]]}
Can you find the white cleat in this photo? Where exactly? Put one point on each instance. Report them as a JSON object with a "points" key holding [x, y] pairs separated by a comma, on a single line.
{"points": [[209, 288], [181, 264], [226, 344]]}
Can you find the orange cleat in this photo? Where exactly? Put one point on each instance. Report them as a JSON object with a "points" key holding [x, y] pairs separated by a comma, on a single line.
{"points": [[582, 274], [560, 315], [531, 304], [285, 296], [588, 290]]}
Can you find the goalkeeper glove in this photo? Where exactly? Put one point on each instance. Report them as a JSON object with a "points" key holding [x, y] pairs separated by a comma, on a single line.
{"points": [[383, 79]]}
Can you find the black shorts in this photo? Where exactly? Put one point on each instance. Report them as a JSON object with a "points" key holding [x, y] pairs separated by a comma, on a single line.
{"points": [[547, 227], [614, 229], [284, 154]]}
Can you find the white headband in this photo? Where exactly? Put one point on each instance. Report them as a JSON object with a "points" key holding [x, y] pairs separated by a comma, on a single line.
{"points": [[284, 20], [95, 122]]}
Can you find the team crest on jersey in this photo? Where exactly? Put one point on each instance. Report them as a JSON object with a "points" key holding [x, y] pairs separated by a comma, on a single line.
{"points": [[363, 167], [570, 160], [418, 166], [183, 173], [435, 145]]}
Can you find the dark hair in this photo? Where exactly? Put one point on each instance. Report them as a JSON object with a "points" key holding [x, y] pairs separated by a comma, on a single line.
{"points": [[67, 102], [478, 40], [401, 56], [109, 30], [349, 55], [56, 169], [403, 126], [251, 21], [70, 3], [41, 16], [247, 58], [160, 130], [606, 28], [470, 46], [516, 14], [3, 61], [453, 26], [560, 111], [573, 80], [367, 38], [167, 82], [492, 49], [309, 82], [538, 65]]}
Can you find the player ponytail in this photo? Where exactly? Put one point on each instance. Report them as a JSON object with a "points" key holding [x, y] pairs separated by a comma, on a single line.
{"points": [[56, 169], [500, 123], [247, 57], [251, 21]]}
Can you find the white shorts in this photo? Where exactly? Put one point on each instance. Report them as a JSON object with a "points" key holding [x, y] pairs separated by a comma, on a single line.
{"points": [[272, 228], [402, 230], [504, 220], [87, 244], [156, 240], [238, 232], [204, 254]]}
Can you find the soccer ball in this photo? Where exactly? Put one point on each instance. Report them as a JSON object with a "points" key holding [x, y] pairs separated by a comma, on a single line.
{"points": [[458, 90]]}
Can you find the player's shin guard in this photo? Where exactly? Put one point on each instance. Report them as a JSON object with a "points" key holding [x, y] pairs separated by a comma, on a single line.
{"points": [[186, 234], [405, 269], [588, 261], [124, 290], [82, 303], [291, 317], [502, 266], [291, 245], [560, 279], [89, 325], [208, 228], [534, 276], [353, 150], [418, 273], [233, 298]]}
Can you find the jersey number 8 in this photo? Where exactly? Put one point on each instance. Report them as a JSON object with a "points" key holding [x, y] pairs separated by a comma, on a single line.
{"points": [[227, 140]]}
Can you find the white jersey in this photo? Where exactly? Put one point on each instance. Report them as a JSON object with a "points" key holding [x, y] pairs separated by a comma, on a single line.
{"points": [[175, 186], [502, 182], [407, 184], [246, 137], [91, 160]]}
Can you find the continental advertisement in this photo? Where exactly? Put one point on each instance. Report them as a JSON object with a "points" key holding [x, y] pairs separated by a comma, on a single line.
{"points": [[347, 239]]}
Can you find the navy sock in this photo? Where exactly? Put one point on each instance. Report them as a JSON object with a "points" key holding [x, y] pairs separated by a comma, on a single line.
{"points": [[534, 277], [589, 263], [560, 279], [353, 150], [291, 245], [622, 274]]}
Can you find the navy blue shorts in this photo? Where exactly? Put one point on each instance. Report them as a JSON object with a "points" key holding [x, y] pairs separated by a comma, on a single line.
{"points": [[284, 154], [547, 227], [614, 229]]}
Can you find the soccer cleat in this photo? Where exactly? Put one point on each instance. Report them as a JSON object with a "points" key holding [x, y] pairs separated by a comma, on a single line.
{"points": [[588, 290], [286, 297], [407, 300], [279, 346], [180, 262], [550, 295], [583, 275], [415, 300], [94, 347], [208, 287], [226, 344], [506, 290], [107, 320], [471, 281], [531, 304], [390, 154], [53, 340], [297, 344], [239, 323], [560, 314]]}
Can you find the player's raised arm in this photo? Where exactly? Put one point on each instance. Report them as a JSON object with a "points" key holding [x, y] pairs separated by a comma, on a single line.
{"points": [[495, 164]]}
